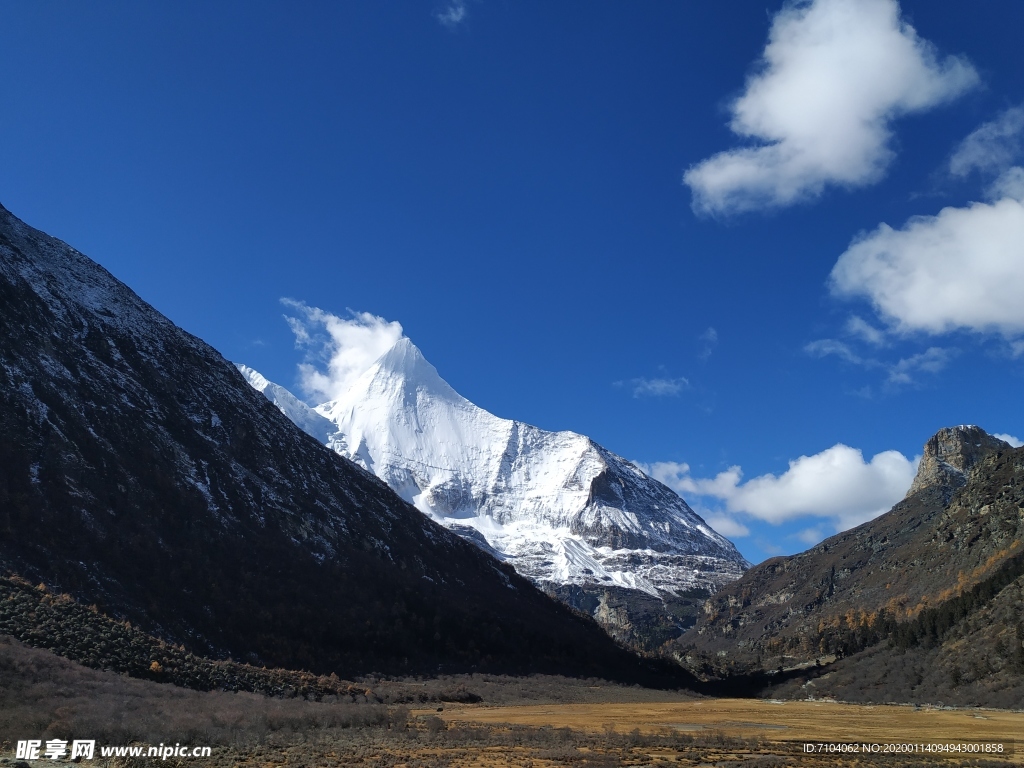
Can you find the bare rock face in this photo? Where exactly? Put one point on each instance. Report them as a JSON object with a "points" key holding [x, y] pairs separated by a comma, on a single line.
{"points": [[950, 455]]}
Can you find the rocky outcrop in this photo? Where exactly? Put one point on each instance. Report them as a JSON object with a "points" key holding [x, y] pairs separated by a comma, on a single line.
{"points": [[950, 455]]}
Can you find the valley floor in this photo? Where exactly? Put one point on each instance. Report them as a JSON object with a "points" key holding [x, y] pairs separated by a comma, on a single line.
{"points": [[472, 720], [775, 726]]}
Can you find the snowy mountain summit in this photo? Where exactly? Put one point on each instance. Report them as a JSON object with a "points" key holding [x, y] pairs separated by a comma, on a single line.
{"points": [[556, 505]]}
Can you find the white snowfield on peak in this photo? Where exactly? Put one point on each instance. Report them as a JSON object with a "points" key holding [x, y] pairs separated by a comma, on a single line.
{"points": [[555, 505]]}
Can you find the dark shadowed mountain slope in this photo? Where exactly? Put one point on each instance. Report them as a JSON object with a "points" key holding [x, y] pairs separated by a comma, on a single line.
{"points": [[942, 568], [56, 622], [140, 472]]}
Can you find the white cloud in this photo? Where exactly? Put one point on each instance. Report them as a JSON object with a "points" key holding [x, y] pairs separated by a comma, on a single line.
{"points": [[453, 14], [837, 485], [677, 476], [860, 328], [344, 346], [842, 350], [1014, 441], [833, 75], [657, 387], [992, 146], [811, 536], [727, 526], [1010, 183], [961, 269], [932, 360]]}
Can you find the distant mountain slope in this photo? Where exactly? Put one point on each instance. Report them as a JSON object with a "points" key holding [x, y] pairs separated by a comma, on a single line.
{"points": [[139, 471], [933, 573], [565, 512], [977, 662]]}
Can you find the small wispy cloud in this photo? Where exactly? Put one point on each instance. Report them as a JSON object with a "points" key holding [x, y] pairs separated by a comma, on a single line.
{"points": [[453, 14], [932, 360], [657, 387], [709, 339], [992, 147], [862, 329], [840, 349], [900, 373]]}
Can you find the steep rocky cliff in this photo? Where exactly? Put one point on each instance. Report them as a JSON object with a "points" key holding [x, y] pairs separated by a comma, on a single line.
{"points": [[950, 455]]}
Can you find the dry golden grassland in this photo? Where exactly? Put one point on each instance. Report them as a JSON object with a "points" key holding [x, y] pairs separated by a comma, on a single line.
{"points": [[538, 722], [764, 732], [805, 721]]}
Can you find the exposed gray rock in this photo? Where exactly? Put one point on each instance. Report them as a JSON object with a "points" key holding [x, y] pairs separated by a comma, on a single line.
{"points": [[950, 454]]}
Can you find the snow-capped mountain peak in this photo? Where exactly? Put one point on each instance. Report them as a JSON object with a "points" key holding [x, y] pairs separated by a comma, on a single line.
{"points": [[556, 505], [404, 365]]}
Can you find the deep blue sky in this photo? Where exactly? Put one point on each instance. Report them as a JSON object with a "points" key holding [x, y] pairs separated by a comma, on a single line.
{"points": [[510, 188]]}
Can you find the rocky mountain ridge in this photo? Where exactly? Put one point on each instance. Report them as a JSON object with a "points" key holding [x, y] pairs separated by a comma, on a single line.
{"points": [[914, 580]]}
